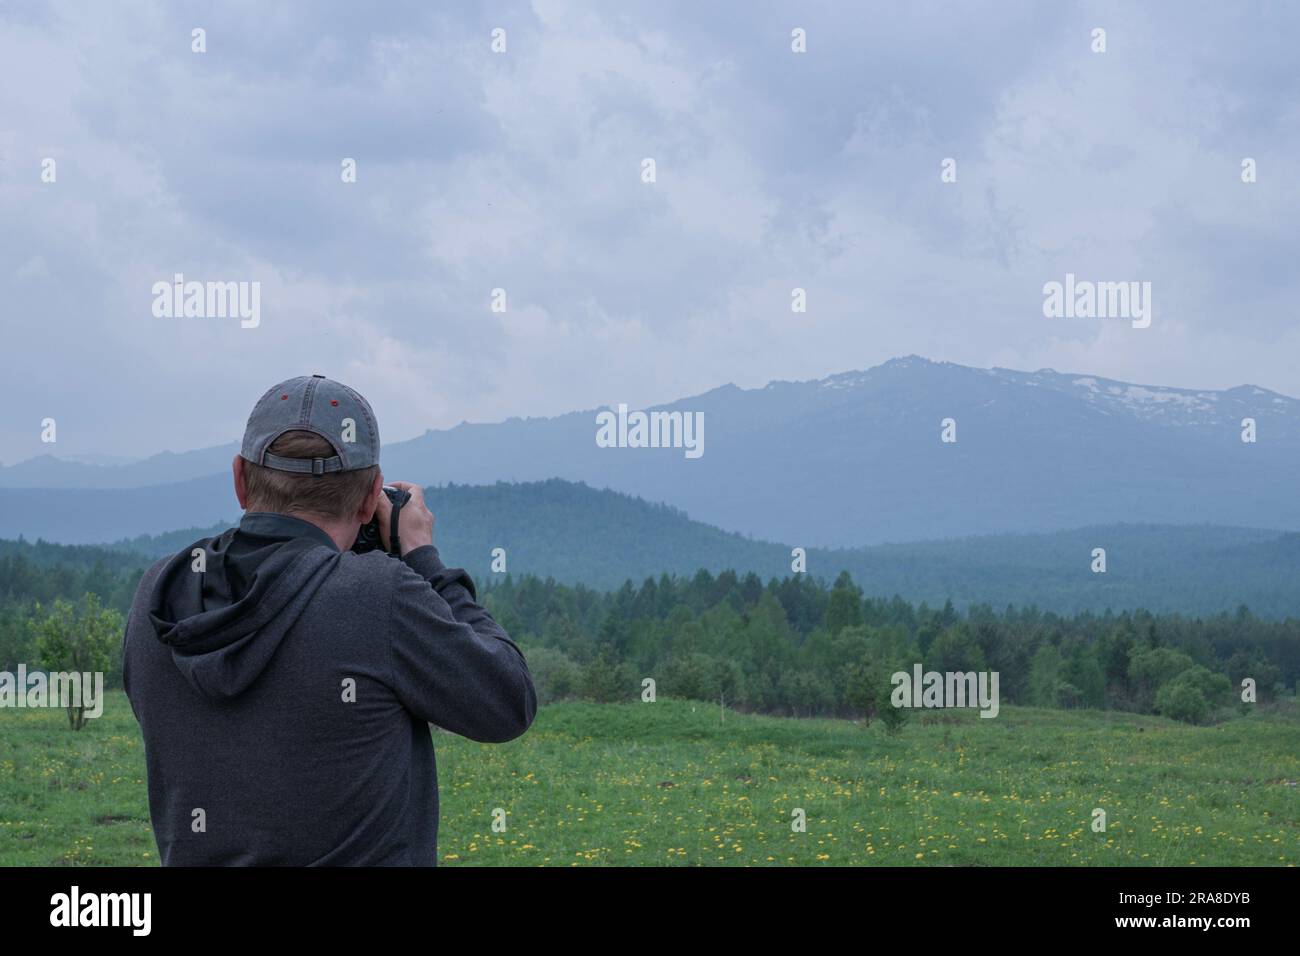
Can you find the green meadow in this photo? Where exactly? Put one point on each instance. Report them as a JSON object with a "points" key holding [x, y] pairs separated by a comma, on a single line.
{"points": [[683, 783]]}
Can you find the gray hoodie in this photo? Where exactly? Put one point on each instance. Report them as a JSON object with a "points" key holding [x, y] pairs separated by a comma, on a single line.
{"points": [[285, 693]]}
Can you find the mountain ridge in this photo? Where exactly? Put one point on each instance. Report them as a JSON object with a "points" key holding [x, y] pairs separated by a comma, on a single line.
{"points": [[849, 459], [100, 462]]}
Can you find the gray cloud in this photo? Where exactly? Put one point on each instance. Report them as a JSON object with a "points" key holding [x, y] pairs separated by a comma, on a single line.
{"points": [[521, 171]]}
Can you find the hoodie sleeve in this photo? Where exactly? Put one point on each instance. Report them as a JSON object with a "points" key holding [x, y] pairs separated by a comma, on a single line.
{"points": [[452, 664]]}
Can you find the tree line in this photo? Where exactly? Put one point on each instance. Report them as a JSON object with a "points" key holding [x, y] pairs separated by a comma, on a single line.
{"points": [[798, 647], [794, 645]]}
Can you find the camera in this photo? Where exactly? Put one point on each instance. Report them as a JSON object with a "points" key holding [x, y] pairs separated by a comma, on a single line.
{"points": [[368, 537]]}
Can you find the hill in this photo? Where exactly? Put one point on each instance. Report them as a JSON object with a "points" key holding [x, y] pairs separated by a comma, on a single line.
{"points": [[600, 538]]}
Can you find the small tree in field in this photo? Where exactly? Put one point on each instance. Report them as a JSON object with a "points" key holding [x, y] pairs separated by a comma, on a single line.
{"points": [[605, 679], [893, 718], [77, 639], [870, 693]]}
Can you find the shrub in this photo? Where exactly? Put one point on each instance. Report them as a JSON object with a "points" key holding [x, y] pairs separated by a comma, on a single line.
{"points": [[1192, 695], [77, 639]]}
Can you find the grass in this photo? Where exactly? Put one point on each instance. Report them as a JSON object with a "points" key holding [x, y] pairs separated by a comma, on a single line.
{"points": [[671, 783]]}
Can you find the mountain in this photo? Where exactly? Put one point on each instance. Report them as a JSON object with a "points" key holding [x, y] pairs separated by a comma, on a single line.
{"points": [[599, 538], [848, 460], [88, 516], [104, 471], [857, 458]]}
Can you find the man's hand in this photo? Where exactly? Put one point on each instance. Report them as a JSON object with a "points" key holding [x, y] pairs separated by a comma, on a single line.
{"points": [[414, 523]]}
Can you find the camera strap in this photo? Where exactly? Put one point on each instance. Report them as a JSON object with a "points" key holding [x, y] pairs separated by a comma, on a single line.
{"points": [[394, 541]]}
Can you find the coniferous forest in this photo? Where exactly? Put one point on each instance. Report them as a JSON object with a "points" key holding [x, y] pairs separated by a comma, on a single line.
{"points": [[795, 646]]}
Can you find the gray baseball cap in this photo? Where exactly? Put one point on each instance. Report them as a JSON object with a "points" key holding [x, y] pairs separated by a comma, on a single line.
{"points": [[313, 403]]}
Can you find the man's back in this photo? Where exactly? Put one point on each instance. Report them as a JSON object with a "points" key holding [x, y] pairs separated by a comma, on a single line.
{"points": [[284, 692]]}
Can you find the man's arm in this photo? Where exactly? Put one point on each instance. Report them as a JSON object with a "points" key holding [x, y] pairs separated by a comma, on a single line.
{"points": [[452, 664]]}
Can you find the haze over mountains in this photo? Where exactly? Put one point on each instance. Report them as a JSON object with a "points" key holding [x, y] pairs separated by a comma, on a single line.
{"points": [[600, 539], [849, 460]]}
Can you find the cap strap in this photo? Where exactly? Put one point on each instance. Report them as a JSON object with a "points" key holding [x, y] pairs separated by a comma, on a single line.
{"points": [[303, 466]]}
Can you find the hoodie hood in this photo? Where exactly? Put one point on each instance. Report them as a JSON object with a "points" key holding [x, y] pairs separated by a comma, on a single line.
{"points": [[225, 622]]}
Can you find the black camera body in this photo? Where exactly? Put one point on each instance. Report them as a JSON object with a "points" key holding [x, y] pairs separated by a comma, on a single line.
{"points": [[368, 537]]}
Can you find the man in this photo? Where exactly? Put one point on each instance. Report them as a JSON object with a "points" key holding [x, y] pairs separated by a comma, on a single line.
{"points": [[285, 685]]}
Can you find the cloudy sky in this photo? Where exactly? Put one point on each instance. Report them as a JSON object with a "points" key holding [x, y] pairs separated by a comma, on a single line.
{"points": [[522, 170]]}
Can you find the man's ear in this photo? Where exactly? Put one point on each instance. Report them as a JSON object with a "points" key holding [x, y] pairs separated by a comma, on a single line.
{"points": [[371, 504], [241, 482]]}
